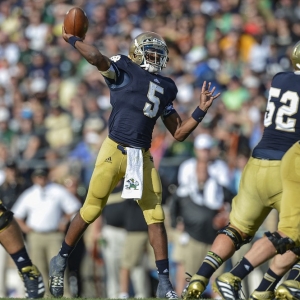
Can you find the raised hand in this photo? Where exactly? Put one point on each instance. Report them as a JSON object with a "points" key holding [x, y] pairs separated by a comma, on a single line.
{"points": [[207, 96]]}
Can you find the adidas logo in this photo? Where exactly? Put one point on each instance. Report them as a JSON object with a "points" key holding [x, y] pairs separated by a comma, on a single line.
{"points": [[247, 267], [226, 290], [20, 259], [166, 271], [108, 160], [156, 80]]}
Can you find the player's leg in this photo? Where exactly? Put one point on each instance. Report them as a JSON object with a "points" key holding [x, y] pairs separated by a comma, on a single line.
{"points": [[288, 233], [267, 247], [11, 238], [269, 189], [279, 266], [262, 250], [106, 175], [154, 216], [247, 214], [194, 257], [109, 169], [290, 288], [289, 223]]}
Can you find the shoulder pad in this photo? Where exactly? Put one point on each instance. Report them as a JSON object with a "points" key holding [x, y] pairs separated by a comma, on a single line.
{"points": [[281, 74]]}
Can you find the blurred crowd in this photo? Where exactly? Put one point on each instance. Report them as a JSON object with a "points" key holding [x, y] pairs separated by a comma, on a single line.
{"points": [[54, 106]]}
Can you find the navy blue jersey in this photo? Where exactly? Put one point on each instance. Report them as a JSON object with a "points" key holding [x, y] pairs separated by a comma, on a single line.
{"points": [[282, 117], [138, 99]]}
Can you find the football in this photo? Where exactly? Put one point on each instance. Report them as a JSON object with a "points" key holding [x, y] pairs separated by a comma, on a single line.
{"points": [[76, 22]]}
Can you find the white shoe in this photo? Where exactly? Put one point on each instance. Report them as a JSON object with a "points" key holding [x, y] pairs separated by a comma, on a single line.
{"points": [[123, 296]]}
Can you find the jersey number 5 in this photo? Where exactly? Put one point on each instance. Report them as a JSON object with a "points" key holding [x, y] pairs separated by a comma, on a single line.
{"points": [[281, 120], [150, 110]]}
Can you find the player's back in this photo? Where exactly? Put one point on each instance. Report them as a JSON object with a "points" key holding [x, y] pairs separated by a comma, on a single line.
{"points": [[282, 117]]}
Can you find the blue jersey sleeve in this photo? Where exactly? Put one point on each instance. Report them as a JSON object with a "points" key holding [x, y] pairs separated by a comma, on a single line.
{"points": [[168, 110], [115, 77]]}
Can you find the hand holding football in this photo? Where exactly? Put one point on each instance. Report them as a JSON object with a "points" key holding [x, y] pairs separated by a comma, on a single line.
{"points": [[76, 22]]}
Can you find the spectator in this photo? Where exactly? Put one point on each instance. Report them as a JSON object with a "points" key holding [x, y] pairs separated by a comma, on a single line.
{"points": [[86, 151], [134, 266], [13, 186], [241, 162], [110, 235], [43, 212], [39, 67], [37, 31], [218, 169], [58, 125], [235, 95], [26, 143], [192, 214], [123, 240], [4, 156], [58, 168], [6, 134]]}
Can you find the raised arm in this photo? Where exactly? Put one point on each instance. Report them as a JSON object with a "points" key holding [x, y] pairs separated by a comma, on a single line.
{"points": [[89, 52], [182, 129]]}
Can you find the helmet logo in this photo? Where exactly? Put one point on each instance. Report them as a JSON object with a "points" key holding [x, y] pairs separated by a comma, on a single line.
{"points": [[158, 42]]}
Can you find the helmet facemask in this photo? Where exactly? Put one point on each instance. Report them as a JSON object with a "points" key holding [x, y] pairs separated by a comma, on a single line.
{"points": [[153, 54]]}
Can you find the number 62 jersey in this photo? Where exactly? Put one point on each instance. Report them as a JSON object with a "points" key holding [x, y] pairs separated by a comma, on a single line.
{"points": [[282, 117], [138, 99]]}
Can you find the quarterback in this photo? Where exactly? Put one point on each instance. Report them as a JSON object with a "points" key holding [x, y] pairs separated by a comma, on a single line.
{"points": [[270, 180], [139, 95]]}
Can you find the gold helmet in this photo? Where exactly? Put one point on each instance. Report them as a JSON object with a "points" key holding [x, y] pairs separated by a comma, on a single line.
{"points": [[149, 50], [295, 56]]}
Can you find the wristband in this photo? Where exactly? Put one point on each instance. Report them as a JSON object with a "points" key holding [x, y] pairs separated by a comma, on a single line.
{"points": [[198, 114], [73, 39]]}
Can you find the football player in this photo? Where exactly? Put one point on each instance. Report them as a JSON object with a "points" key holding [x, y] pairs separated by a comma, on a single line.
{"points": [[139, 95], [11, 238], [270, 180], [290, 288]]}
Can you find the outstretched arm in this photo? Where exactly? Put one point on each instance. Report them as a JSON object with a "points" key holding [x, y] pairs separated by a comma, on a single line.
{"points": [[182, 129], [89, 52]]}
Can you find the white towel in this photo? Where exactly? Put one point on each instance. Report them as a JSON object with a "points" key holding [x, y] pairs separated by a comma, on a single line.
{"points": [[133, 182]]}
